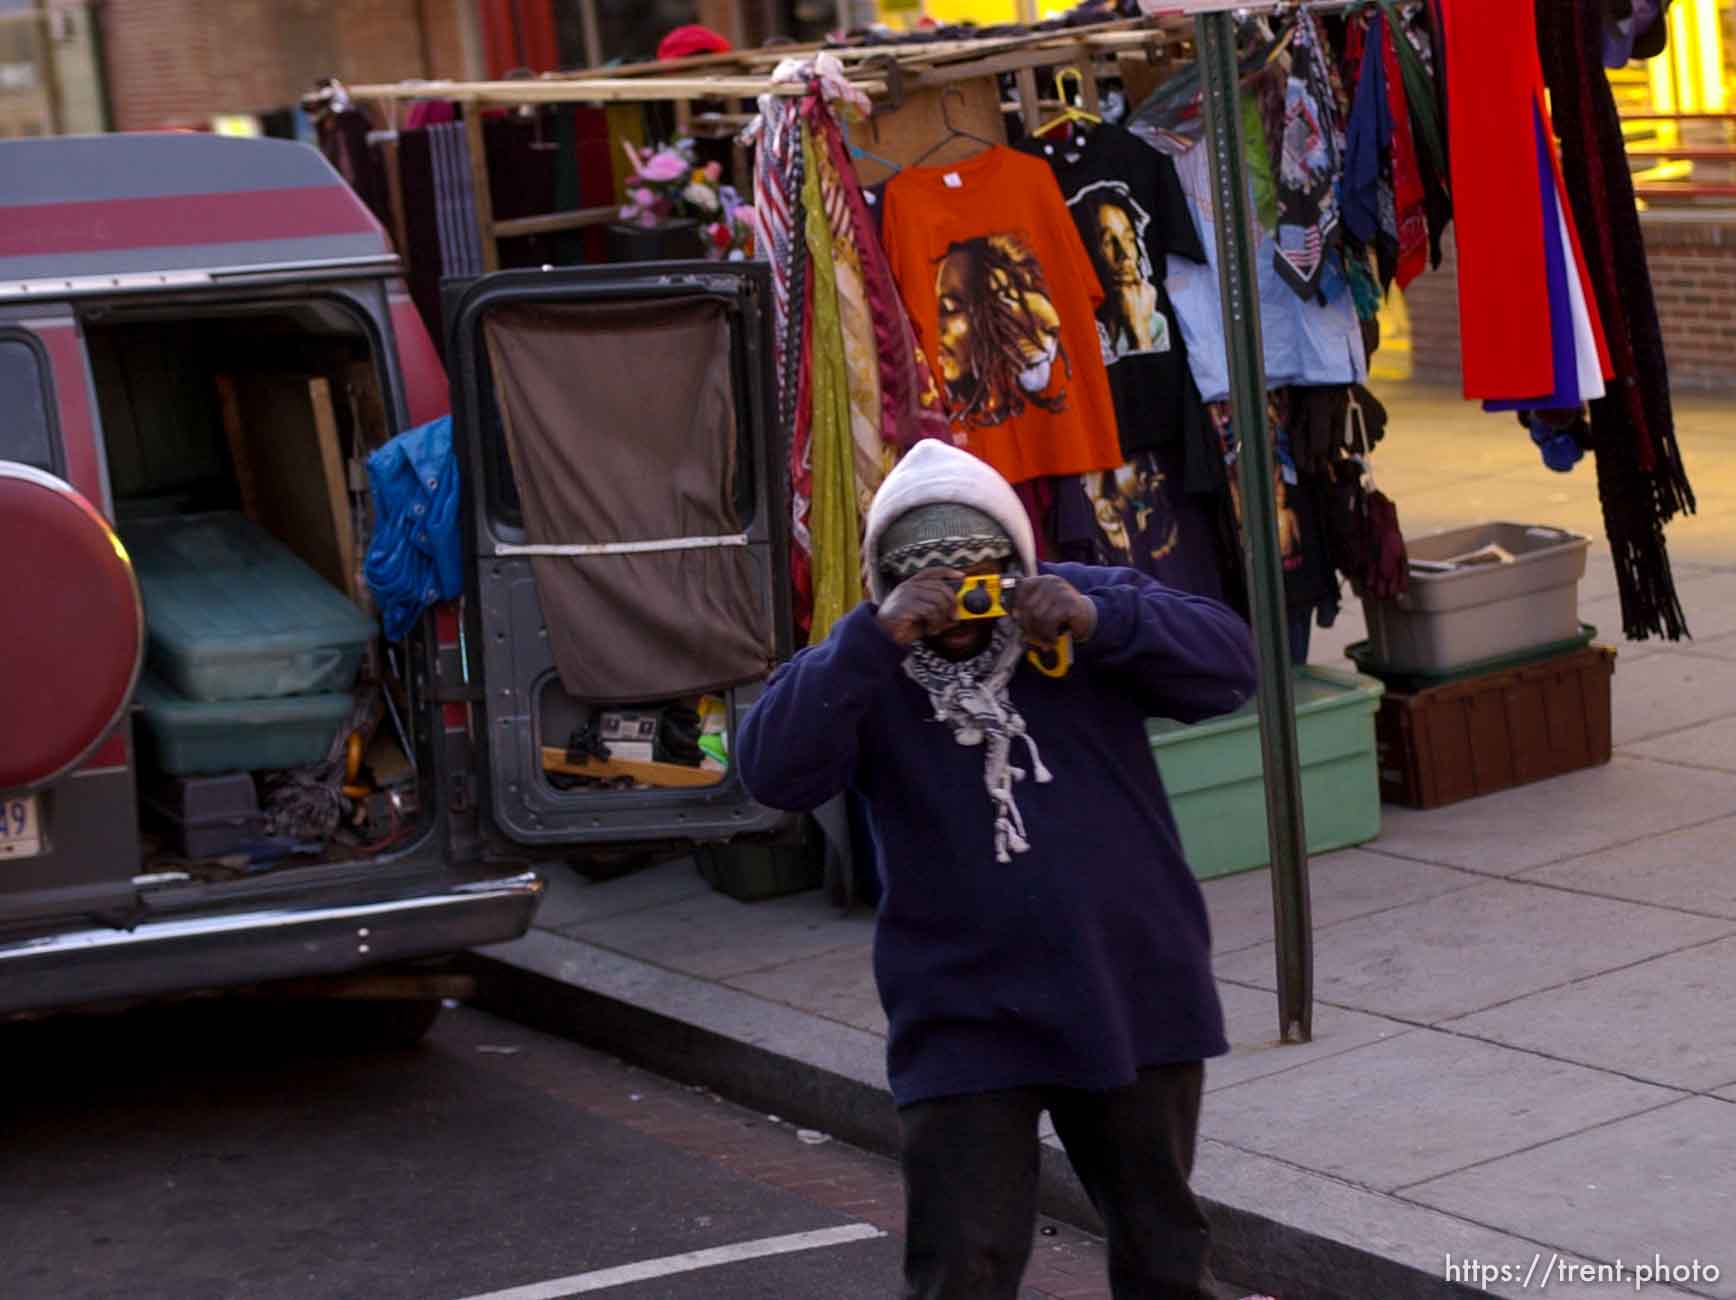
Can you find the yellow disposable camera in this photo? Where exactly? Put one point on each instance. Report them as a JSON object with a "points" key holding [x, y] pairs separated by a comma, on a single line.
{"points": [[990, 595], [986, 595]]}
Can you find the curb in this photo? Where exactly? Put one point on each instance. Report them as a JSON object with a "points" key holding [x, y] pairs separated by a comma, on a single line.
{"points": [[825, 1075]]}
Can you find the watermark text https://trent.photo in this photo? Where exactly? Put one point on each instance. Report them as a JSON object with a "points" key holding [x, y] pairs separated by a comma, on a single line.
{"points": [[1545, 1271]]}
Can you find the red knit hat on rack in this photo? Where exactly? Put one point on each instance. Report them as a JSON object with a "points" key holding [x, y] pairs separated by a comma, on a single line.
{"points": [[691, 39]]}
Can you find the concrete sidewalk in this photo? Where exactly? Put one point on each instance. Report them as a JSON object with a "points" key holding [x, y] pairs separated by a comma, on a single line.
{"points": [[1525, 1034]]}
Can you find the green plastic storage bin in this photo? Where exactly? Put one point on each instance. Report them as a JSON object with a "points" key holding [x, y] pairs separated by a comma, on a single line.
{"points": [[1216, 786], [182, 737]]}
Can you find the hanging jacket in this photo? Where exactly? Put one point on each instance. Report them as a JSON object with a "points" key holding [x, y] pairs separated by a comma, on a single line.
{"points": [[1368, 143], [416, 557]]}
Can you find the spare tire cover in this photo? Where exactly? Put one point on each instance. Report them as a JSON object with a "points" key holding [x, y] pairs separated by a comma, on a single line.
{"points": [[74, 628]]}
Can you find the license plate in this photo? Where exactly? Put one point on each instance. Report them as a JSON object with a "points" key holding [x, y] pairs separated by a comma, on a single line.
{"points": [[20, 827]]}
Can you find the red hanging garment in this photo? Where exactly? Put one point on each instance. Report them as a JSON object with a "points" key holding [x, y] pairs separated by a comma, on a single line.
{"points": [[1409, 197], [1604, 359], [1494, 92]]}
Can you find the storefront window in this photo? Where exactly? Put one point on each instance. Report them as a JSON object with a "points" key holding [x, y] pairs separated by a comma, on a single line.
{"points": [[1679, 135]]}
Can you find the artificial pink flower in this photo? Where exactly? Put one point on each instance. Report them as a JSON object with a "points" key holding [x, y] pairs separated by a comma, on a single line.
{"points": [[714, 172], [665, 166], [642, 196]]}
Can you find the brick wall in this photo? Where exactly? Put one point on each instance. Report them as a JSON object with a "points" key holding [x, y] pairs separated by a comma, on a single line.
{"points": [[178, 62], [1693, 264], [1433, 304], [1694, 275]]}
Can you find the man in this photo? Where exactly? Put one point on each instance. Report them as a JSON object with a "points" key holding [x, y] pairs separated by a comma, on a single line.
{"points": [[1131, 319], [999, 332], [1041, 944]]}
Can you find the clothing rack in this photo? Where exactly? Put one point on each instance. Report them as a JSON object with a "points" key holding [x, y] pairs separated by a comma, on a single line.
{"points": [[888, 74], [892, 74]]}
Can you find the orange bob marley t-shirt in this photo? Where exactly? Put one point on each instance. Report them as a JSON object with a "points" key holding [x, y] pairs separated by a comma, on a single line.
{"points": [[1003, 297]]}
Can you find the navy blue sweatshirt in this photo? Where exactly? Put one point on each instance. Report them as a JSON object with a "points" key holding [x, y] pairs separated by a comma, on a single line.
{"points": [[1080, 961]]}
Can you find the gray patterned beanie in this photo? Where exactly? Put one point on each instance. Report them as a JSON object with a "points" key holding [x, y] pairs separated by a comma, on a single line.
{"points": [[941, 535]]}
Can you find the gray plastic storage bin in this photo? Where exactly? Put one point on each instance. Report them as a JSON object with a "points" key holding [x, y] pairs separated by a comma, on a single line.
{"points": [[182, 737], [232, 614], [1457, 614], [206, 816]]}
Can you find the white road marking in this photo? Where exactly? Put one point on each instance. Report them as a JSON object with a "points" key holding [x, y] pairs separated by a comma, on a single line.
{"points": [[693, 1260]]}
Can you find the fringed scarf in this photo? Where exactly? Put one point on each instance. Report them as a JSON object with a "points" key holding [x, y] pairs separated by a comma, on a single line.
{"points": [[1640, 476], [911, 409], [972, 698], [781, 236], [833, 522]]}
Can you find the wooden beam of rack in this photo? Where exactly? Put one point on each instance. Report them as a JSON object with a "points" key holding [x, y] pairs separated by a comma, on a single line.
{"points": [[478, 141], [1119, 33], [621, 91], [933, 63], [1089, 91], [693, 63], [1029, 109], [555, 223], [994, 65], [682, 81], [1112, 35]]}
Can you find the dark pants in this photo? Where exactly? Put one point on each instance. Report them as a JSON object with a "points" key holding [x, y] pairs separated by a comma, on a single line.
{"points": [[1301, 629], [970, 1179]]}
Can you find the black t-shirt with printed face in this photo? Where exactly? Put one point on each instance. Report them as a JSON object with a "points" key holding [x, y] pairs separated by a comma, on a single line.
{"points": [[1127, 201]]}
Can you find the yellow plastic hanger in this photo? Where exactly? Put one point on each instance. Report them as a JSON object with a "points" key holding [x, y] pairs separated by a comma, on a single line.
{"points": [[1068, 113]]}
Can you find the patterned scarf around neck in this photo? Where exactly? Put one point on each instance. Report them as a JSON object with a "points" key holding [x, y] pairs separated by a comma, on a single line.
{"points": [[971, 697]]}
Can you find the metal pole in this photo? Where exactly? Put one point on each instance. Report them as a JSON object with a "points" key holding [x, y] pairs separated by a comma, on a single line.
{"points": [[1293, 929]]}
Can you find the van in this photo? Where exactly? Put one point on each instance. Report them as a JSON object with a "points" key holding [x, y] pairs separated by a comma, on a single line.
{"points": [[217, 771]]}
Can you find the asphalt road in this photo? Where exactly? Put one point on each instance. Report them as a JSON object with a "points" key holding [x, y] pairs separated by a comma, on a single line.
{"points": [[223, 1152]]}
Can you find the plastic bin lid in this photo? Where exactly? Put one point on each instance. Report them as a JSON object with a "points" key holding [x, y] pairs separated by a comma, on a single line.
{"points": [[75, 627], [1314, 689]]}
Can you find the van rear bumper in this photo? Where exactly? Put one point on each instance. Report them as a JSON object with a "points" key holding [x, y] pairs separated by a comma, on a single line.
{"points": [[218, 951]]}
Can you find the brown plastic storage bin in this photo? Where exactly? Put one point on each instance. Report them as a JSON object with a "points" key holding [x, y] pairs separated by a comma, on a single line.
{"points": [[1496, 731]]}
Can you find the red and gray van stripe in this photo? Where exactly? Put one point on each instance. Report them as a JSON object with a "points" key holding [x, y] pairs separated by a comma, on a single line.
{"points": [[116, 205], [117, 236]]}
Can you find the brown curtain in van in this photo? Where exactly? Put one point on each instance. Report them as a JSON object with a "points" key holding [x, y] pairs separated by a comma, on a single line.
{"points": [[621, 424]]}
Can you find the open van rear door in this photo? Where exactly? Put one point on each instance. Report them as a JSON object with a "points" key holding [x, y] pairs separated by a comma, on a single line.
{"points": [[626, 524]]}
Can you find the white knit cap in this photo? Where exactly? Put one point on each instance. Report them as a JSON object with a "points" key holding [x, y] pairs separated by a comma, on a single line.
{"points": [[934, 471]]}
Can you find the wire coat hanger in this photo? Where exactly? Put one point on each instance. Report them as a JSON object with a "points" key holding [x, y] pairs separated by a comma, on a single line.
{"points": [[953, 132]]}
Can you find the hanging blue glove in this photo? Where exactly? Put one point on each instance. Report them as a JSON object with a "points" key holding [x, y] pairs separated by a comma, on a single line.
{"points": [[1561, 450]]}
